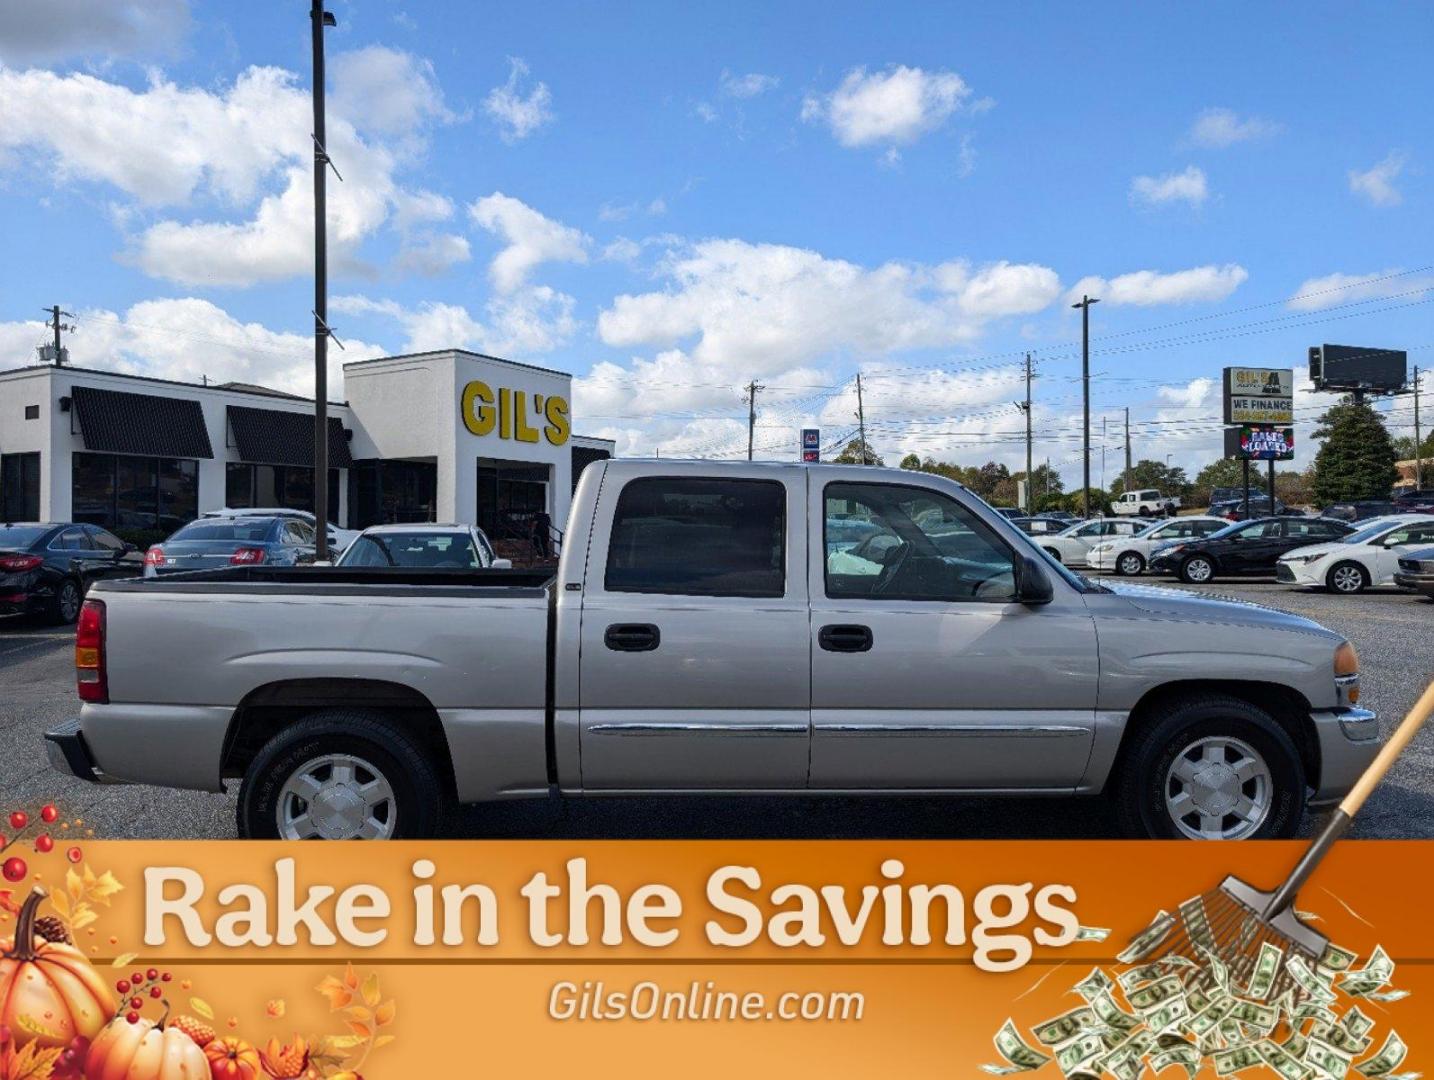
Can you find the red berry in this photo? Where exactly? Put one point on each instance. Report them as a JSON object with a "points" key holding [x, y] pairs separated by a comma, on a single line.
{"points": [[48, 814], [44, 843], [14, 869], [137, 978], [19, 819], [74, 854], [152, 974], [165, 977], [122, 986], [136, 1003], [155, 991], [132, 1017]]}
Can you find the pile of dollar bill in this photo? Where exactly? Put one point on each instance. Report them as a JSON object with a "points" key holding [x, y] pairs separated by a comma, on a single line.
{"points": [[1303, 1021]]}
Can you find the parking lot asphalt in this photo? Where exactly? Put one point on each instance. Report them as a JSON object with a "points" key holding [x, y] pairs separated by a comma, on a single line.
{"points": [[1393, 631]]}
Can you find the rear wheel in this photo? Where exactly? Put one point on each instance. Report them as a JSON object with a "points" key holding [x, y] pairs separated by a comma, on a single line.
{"points": [[1129, 564], [1197, 570], [1211, 768], [340, 775], [1348, 578], [65, 606]]}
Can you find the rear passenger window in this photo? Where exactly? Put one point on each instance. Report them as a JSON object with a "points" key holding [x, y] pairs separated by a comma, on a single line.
{"points": [[699, 537]]}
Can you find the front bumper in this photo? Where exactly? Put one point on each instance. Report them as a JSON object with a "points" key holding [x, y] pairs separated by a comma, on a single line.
{"points": [[1164, 564], [1288, 573], [1100, 560], [1348, 742], [1420, 583]]}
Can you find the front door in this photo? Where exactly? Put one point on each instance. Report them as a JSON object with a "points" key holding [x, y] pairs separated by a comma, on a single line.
{"points": [[1254, 548], [695, 670], [1393, 546], [925, 671]]}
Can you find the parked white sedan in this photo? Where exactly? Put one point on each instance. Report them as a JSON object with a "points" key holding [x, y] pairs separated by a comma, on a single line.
{"points": [[1072, 547], [1130, 555], [1362, 559], [424, 545]]}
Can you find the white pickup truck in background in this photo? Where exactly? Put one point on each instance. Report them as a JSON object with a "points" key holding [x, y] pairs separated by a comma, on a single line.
{"points": [[1146, 502]]}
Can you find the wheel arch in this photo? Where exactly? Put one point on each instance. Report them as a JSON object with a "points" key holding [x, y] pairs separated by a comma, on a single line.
{"points": [[268, 709], [1286, 705]]}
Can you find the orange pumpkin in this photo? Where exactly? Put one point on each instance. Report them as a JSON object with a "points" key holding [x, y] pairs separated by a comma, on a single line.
{"points": [[231, 1058], [144, 1051], [49, 993]]}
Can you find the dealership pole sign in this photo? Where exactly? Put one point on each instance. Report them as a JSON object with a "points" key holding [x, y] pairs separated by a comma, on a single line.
{"points": [[1260, 442], [811, 444], [1259, 395]]}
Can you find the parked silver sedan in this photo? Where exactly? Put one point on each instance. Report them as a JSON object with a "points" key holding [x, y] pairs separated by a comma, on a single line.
{"points": [[423, 545], [1072, 547]]}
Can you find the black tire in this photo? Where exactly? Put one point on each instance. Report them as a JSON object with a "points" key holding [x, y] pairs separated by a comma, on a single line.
{"points": [[1136, 560], [1145, 511], [1191, 572], [1340, 580], [1053, 553], [65, 604], [418, 790], [1140, 787]]}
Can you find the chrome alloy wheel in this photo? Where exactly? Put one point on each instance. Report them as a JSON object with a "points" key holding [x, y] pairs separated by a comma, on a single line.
{"points": [[1130, 564], [337, 797], [1199, 570], [70, 600], [1218, 788], [1346, 579]]}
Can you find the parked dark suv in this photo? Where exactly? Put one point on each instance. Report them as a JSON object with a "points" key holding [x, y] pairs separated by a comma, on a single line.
{"points": [[1415, 501], [1248, 547], [1361, 510], [46, 567]]}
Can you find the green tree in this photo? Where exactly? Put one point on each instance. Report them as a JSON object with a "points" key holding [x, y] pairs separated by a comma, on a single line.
{"points": [[1404, 447], [1356, 458], [911, 462], [1225, 472], [851, 454]]}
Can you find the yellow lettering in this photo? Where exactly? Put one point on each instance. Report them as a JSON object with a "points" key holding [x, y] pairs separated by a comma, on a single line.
{"points": [[522, 431], [557, 412], [505, 413], [478, 419]]}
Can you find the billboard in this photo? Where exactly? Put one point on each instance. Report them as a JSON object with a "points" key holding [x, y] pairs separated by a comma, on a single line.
{"points": [[811, 444], [1260, 442], [1358, 367], [1259, 395]]}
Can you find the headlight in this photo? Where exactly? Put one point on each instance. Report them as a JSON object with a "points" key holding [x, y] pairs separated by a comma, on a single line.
{"points": [[1099, 548], [1298, 558], [1346, 673], [1173, 549]]}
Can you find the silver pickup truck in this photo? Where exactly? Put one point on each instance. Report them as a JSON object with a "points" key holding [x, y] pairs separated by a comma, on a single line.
{"points": [[728, 628]]}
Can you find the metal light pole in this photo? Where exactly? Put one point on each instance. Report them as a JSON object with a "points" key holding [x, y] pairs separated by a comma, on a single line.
{"points": [[1084, 305], [320, 19]]}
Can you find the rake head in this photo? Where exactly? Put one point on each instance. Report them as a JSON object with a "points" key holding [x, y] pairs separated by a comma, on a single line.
{"points": [[1231, 925]]}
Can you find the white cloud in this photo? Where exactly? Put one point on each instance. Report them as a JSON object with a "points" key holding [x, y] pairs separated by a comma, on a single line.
{"points": [[1146, 288], [751, 85], [1332, 289], [1000, 289], [189, 339], [519, 116], [705, 112], [44, 32], [895, 106], [431, 254], [1376, 184], [1219, 128], [534, 319], [530, 239], [1188, 186], [394, 92]]}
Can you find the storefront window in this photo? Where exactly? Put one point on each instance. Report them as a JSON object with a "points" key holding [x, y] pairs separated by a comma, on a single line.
{"points": [[238, 485], [131, 493], [509, 494], [392, 492], [20, 487], [290, 487]]}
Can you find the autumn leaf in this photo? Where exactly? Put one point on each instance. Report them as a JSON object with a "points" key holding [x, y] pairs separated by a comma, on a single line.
{"points": [[383, 1040], [123, 960], [84, 915], [337, 993], [74, 885], [7, 902], [384, 1014], [61, 903], [351, 979], [103, 888], [276, 1008], [33, 1063], [359, 1013], [371, 994], [336, 1043], [363, 1031], [202, 1007]]}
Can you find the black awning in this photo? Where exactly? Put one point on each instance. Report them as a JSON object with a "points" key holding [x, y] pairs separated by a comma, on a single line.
{"points": [[278, 437], [121, 423]]}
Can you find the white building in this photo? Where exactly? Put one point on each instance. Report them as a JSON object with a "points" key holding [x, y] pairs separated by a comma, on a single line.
{"points": [[440, 436]]}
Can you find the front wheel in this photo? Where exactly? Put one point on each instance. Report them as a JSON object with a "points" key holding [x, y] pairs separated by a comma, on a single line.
{"points": [[1053, 553], [1129, 564], [1197, 570], [340, 775], [1348, 578], [1211, 768]]}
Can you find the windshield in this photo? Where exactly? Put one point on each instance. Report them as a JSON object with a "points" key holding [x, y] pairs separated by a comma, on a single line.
{"points": [[1368, 533], [451, 551], [1160, 528], [224, 529], [21, 536]]}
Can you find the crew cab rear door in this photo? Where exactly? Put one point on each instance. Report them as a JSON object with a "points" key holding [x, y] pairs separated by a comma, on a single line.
{"points": [[926, 674], [695, 667]]}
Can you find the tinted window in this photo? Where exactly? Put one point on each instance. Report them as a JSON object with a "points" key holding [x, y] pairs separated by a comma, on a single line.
{"points": [[226, 529], [448, 551], [928, 547], [1260, 530], [71, 540], [295, 532], [1411, 534], [21, 536], [698, 537], [103, 541]]}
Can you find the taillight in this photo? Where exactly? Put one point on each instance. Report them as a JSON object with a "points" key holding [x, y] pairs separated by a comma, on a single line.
{"points": [[90, 679], [154, 556], [19, 562], [247, 556]]}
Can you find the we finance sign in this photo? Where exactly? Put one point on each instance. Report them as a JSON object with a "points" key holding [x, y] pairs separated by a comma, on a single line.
{"points": [[1259, 395], [514, 414]]}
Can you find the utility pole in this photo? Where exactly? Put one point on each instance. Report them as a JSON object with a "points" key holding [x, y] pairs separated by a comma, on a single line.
{"points": [[1030, 478], [752, 388], [320, 19], [56, 325], [1125, 483], [1102, 452], [1084, 305], [1418, 438], [861, 418]]}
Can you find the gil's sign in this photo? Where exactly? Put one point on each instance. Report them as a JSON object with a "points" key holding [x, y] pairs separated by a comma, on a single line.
{"points": [[1260, 442], [1259, 395], [508, 413]]}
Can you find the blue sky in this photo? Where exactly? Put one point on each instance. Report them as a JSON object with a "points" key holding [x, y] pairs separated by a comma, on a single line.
{"points": [[669, 200]]}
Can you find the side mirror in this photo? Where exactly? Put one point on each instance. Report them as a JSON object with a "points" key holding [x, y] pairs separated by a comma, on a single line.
{"points": [[1033, 585], [501, 564]]}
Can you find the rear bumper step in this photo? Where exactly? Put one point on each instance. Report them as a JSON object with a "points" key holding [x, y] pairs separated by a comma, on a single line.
{"points": [[69, 754]]}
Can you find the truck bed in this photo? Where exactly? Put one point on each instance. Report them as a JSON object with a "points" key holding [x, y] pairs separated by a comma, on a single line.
{"points": [[258, 580]]}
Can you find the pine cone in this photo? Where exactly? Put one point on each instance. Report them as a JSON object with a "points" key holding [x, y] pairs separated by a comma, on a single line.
{"points": [[52, 929]]}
